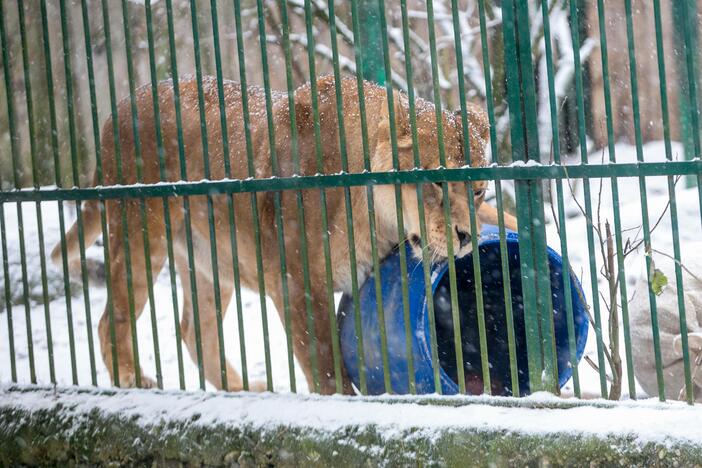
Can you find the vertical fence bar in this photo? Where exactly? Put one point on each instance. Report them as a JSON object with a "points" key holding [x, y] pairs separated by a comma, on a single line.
{"points": [[322, 193], [504, 261], [35, 183], [477, 274], [300, 204], [539, 247], [99, 179], [360, 58], [562, 229], [6, 278], [587, 195], [372, 64], [3, 227], [398, 196], [644, 201], [59, 183], [690, 38], [296, 170], [254, 202], [230, 197], [347, 200], [691, 69], [142, 202], [187, 218], [426, 263], [118, 161], [453, 288], [15, 150], [615, 200], [210, 202], [68, 76], [99, 174], [123, 204], [98, 150], [163, 177], [277, 206], [318, 154], [663, 87], [523, 196], [686, 38]]}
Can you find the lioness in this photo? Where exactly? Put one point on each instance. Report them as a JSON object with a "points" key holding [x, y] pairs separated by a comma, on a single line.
{"points": [[385, 216]]}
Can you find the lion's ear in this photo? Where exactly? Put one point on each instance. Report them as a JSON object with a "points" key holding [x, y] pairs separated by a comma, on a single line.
{"points": [[478, 122], [303, 107]]}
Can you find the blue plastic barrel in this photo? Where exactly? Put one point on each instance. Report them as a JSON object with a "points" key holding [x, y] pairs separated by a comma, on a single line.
{"points": [[495, 319]]}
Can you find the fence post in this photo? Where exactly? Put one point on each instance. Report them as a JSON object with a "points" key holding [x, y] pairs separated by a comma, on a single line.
{"points": [[371, 42], [685, 105], [538, 315]]}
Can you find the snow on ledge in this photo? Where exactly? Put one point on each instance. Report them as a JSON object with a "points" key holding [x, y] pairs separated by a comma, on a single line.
{"points": [[644, 421]]}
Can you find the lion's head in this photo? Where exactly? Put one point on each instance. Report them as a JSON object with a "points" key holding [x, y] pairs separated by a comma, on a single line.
{"points": [[434, 195]]}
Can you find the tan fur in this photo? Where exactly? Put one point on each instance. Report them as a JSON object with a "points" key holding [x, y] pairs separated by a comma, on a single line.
{"points": [[384, 197]]}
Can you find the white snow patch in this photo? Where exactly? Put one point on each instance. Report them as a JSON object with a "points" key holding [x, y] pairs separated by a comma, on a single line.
{"points": [[645, 421]]}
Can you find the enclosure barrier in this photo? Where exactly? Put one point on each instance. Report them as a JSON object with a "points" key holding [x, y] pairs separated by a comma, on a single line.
{"points": [[217, 195], [106, 423]]}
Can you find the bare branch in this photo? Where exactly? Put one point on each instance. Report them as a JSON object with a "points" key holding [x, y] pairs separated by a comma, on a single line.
{"points": [[589, 360], [346, 64], [679, 263]]}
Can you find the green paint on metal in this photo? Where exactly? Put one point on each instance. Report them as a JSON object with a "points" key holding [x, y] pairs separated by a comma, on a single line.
{"points": [[371, 41]]}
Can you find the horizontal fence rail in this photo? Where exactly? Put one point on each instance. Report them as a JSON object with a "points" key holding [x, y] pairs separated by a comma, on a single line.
{"points": [[417, 176], [350, 162]]}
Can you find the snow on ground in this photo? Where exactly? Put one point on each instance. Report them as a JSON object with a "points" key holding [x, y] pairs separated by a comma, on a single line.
{"points": [[640, 422], [164, 313], [689, 225], [630, 208]]}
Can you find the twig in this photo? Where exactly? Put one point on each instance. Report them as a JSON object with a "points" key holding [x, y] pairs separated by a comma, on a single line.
{"points": [[615, 390], [679, 263], [650, 231], [698, 366], [589, 360], [660, 218], [580, 207], [550, 195], [345, 63], [274, 24], [591, 319]]}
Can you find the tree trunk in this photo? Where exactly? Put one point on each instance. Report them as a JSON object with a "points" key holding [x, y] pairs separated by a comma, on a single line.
{"points": [[619, 79]]}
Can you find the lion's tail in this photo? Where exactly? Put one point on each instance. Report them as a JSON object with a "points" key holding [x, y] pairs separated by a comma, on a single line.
{"points": [[90, 219]]}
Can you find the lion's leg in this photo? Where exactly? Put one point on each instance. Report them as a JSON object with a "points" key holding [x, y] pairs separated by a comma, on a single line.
{"points": [[312, 341], [123, 306], [324, 347], [209, 333]]}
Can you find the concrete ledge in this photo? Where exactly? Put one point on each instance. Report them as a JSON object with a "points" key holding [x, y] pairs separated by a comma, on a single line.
{"points": [[40, 425]]}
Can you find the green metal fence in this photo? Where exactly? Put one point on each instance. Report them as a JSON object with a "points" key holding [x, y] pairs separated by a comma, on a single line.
{"points": [[67, 65]]}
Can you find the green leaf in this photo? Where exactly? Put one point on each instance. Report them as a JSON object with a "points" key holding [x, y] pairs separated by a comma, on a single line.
{"points": [[658, 282]]}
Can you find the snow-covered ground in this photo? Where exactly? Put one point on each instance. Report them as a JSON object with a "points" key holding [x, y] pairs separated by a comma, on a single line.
{"points": [[689, 226], [408, 418], [630, 208], [98, 294]]}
